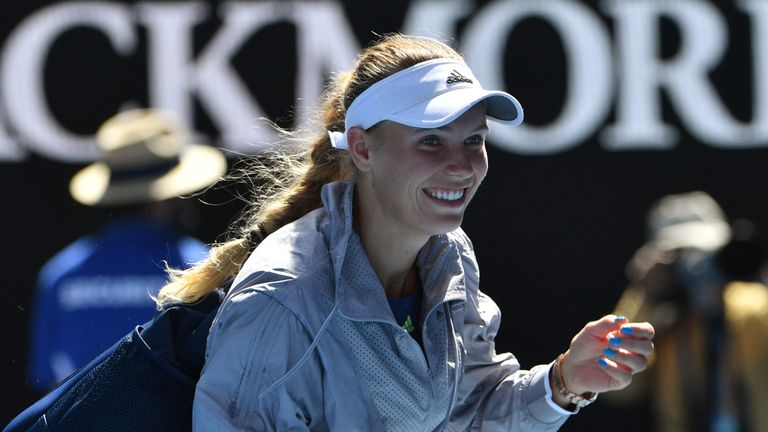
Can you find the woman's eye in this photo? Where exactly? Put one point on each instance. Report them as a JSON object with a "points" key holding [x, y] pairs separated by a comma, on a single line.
{"points": [[429, 141], [474, 140]]}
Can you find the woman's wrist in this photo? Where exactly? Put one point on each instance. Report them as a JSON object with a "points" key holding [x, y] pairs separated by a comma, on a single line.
{"points": [[561, 393]]}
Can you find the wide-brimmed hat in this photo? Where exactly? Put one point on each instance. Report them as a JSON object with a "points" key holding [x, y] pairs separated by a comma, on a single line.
{"points": [[146, 156], [688, 220]]}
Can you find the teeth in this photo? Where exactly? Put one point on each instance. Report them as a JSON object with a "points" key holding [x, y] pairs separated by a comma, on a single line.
{"points": [[447, 195]]}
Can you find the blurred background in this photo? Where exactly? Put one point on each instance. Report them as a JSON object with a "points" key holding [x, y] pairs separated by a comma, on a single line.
{"points": [[625, 102]]}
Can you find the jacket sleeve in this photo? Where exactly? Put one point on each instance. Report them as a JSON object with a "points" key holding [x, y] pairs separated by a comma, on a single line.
{"points": [[252, 346], [494, 393]]}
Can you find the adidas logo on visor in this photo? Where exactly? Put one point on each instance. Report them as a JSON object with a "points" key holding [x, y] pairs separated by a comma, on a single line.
{"points": [[456, 77]]}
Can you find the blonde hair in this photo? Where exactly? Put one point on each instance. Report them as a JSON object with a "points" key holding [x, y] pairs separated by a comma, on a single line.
{"points": [[292, 183]]}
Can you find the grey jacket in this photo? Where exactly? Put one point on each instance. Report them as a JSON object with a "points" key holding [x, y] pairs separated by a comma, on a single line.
{"points": [[307, 341]]}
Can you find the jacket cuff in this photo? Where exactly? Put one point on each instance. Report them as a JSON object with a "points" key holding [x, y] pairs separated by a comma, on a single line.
{"points": [[539, 397]]}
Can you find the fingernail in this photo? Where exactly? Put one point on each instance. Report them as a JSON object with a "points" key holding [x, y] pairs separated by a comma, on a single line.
{"points": [[626, 330], [614, 340], [602, 362], [619, 318], [609, 352]]}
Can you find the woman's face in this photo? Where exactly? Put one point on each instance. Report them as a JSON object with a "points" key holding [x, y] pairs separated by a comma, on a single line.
{"points": [[423, 179]]}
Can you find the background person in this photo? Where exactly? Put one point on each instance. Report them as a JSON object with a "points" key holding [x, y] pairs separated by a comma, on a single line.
{"points": [[745, 313], [698, 281], [356, 302], [98, 288]]}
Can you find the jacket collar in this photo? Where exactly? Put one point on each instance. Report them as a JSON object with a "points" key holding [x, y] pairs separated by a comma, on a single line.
{"points": [[359, 294]]}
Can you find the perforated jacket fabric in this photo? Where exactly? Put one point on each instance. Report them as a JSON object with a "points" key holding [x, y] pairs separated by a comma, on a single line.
{"points": [[308, 342]]}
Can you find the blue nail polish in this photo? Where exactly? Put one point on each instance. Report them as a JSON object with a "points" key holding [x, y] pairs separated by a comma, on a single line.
{"points": [[615, 341], [626, 330], [602, 362], [609, 352], [619, 318]]}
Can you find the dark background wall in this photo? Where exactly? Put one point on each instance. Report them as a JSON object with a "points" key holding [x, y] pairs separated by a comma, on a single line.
{"points": [[553, 230]]}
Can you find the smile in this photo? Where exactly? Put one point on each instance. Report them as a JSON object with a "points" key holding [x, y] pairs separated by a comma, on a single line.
{"points": [[446, 194]]}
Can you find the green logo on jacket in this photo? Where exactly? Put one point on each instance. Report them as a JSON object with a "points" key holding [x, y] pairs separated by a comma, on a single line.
{"points": [[408, 325]]}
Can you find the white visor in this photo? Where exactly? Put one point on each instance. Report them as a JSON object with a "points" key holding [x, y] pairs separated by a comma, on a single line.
{"points": [[427, 95]]}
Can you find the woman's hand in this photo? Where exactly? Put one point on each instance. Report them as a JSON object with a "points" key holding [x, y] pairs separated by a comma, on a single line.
{"points": [[605, 354]]}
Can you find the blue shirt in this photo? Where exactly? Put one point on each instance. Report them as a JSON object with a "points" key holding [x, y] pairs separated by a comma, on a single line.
{"points": [[407, 311], [97, 290]]}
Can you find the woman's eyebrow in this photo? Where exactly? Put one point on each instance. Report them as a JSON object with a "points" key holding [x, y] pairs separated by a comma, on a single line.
{"points": [[480, 127]]}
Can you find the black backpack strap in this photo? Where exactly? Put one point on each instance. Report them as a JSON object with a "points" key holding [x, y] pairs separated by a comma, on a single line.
{"points": [[179, 332], [152, 369], [33, 415]]}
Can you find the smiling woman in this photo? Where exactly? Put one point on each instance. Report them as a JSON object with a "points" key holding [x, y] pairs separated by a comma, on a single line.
{"points": [[355, 303], [414, 183]]}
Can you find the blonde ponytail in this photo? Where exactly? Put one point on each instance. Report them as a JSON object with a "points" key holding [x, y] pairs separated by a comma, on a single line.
{"points": [[191, 285]]}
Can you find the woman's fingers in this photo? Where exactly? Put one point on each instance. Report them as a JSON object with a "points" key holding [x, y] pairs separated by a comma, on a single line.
{"points": [[642, 346], [630, 361], [620, 376], [629, 347], [638, 330]]}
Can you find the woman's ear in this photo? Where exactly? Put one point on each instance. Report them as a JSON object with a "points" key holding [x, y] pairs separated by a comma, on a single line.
{"points": [[359, 145]]}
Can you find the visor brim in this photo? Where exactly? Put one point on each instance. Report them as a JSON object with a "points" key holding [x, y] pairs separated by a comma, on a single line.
{"points": [[444, 108]]}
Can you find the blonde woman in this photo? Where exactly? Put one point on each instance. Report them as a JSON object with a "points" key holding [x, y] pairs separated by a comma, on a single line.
{"points": [[356, 304]]}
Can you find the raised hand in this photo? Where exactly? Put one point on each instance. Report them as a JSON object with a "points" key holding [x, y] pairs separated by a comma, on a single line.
{"points": [[605, 355]]}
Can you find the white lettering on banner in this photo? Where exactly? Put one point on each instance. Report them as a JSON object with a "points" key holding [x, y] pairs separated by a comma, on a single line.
{"points": [[21, 72], [169, 50], [436, 18], [684, 78], [639, 122], [174, 76], [319, 55], [225, 97], [590, 77], [633, 78], [758, 12]]}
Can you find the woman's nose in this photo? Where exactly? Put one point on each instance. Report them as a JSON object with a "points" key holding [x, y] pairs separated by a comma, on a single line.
{"points": [[459, 163]]}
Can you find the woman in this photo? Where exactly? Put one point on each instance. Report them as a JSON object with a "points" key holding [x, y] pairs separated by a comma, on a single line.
{"points": [[360, 309]]}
